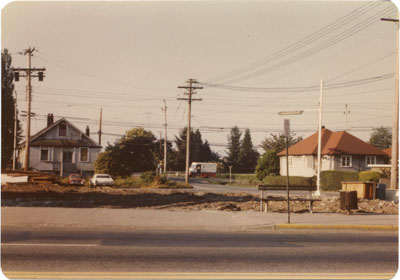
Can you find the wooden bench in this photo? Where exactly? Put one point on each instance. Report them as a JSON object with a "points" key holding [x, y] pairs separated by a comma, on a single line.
{"points": [[266, 199]]}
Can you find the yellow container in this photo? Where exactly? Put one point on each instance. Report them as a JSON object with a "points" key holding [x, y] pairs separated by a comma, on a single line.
{"points": [[364, 189]]}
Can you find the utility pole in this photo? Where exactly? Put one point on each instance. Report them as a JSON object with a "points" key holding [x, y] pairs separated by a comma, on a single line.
{"points": [[29, 73], [318, 191], [190, 90], [346, 112], [395, 119], [15, 132], [100, 123], [164, 109]]}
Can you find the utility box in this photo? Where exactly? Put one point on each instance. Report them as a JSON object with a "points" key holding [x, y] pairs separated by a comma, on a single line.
{"points": [[365, 190]]}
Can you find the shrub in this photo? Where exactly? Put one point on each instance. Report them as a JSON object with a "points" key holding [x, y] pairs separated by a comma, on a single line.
{"points": [[293, 180], [127, 183], [370, 176], [147, 177], [246, 179], [332, 180], [267, 165]]}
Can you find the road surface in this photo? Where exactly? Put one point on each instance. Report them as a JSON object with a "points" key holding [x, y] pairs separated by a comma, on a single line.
{"points": [[36, 252]]}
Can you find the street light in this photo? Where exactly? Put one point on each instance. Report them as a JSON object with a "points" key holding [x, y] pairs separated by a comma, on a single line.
{"points": [[395, 125]]}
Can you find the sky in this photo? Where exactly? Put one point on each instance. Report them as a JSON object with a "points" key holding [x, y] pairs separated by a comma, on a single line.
{"points": [[253, 59]]}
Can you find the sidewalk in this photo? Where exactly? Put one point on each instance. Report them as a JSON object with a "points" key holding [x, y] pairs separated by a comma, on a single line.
{"points": [[189, 220]]}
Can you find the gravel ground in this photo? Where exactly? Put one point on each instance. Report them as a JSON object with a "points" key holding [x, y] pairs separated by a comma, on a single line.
{"points": [[109, 197]]}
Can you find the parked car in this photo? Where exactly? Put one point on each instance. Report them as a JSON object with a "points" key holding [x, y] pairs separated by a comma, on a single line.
{"points": [[101, 180], [75, 179]]}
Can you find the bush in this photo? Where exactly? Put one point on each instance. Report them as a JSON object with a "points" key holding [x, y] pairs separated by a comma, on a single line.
{"points": [[293, 180], [332, 180], [246, 179], [267, 165], [369, 176], [127, 183], [147, 177]]}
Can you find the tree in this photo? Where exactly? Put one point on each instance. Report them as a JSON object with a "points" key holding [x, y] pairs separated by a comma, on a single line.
{"points": [[199, 151], [234, 148], [7, 110], [267, 165], [277, 142], [381, 138], [134, 152], [248, 155]]}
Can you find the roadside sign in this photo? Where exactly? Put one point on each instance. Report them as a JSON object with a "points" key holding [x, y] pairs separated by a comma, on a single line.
{"points": [[286, 125]]}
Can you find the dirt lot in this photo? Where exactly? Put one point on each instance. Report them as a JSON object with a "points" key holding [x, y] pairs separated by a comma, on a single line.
{"points": [[108, 197]]}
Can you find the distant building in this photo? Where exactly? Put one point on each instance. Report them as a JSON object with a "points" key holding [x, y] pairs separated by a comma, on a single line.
{"points": [[340, 151], [61, 148]]}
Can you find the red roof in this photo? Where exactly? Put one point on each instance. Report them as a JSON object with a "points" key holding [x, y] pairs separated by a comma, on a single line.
{"points": [[333, 143], [388, 151]]}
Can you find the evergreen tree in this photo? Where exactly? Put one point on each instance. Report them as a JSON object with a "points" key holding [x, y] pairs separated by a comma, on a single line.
{"points": [[199, 151], [248, 155], [234, 148], [7, 110]]}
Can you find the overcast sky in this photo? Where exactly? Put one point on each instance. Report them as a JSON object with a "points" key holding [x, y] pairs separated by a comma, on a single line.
{"points": [[256, 58]]}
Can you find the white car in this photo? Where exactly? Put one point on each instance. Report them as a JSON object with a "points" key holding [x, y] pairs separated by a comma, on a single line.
{"points": [[101, 180]]}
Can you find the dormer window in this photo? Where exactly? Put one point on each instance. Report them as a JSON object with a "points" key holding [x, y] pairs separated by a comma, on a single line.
{"points": [[62, 129]]}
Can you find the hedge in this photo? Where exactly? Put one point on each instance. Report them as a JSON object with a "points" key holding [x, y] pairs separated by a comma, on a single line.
{"points": [[332, 180], [293, 180], [370, 176], [246, 179]]}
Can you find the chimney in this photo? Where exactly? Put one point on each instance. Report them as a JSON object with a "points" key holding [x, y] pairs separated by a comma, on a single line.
{"points": [[323, 127], [50, 119], [87, 131]]}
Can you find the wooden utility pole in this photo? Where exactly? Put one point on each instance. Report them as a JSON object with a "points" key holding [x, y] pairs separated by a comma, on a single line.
{"points": [[100, 123], [318, 191], [164, 109], [15, 132], [190, 90], [29, 73]]}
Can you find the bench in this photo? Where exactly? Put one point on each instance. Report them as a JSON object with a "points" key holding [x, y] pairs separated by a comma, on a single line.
{"points": [[266, 199]]}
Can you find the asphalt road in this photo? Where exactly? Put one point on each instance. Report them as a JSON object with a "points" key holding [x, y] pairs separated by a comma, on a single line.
{"points": [[74, 251]]}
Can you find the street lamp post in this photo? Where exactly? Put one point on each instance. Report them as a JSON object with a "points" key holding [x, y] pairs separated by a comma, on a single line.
{"points": [[395, 124]]}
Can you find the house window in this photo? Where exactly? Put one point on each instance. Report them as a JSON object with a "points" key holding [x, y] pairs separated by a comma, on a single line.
{"points": [[304, 160], [44, 153], [370, 160], [62, 129], [290, 161], [345, 161], [84, 154]]}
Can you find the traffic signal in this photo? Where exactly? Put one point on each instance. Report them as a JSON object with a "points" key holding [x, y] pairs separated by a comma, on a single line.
{"points": [[16, 76], [40, 76]]}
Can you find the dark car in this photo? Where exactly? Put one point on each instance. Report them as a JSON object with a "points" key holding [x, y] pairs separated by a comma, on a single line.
{"points": [[75, 179]]}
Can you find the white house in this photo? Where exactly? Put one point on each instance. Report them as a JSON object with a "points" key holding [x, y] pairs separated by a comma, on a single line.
{"points": [[340, 151], [61, 148]]}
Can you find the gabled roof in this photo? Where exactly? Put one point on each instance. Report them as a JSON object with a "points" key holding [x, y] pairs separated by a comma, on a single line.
{"points": [[59, 142], [332, 143]]}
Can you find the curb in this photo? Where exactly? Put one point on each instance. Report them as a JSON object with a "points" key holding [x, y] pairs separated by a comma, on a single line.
{"points": [[321, 226]]}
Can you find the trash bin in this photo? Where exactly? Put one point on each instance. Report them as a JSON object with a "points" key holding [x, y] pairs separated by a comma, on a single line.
{"points": [[348, 200], [381, 191]]}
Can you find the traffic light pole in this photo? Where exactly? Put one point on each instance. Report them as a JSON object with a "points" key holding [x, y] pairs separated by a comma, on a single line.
{"points": [[29, 74]]}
